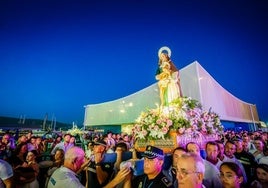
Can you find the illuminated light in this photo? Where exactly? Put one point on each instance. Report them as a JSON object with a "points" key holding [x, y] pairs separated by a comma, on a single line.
{"points": [[130, 104], [123, 102], [111, 110], [201, 78], [122, 111]]}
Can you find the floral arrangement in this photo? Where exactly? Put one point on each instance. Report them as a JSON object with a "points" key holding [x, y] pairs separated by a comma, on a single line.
{"points": [[184, 115], [75, 131]]}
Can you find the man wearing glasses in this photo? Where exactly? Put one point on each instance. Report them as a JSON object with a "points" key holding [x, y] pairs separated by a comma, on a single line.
{"points": [[190, 171]]}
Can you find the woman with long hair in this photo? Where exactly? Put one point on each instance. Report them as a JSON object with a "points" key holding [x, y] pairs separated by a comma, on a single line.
{"points": [[262, 176], [231, 175], [31, 163]]}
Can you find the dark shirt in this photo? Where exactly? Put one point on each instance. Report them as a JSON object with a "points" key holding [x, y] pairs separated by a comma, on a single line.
{"points": [[3, 147], [14, 160], [171, 175], [92, 175], [160, 181], [249, 163]]}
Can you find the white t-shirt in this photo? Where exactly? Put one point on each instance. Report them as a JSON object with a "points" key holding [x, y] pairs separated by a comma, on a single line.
{"points": [[64, 177], [5, 172]]}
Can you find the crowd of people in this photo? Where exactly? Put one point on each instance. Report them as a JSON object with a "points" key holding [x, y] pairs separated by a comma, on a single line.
{"points": [[111, 160]]}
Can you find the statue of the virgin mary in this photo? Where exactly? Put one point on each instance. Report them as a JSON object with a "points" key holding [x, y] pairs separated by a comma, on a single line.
{"points": [[168, 78]]}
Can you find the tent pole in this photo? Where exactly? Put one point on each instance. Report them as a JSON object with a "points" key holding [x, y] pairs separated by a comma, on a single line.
{"points": [[253, 120]]}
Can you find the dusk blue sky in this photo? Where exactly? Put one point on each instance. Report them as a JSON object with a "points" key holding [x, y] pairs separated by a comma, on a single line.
{"points": [[57, 56]]}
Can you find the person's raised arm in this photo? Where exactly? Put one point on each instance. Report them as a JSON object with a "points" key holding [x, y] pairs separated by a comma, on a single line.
{"points": [[84, 165], [127, 182], [101, 174], [119, 153], [120, 177]]}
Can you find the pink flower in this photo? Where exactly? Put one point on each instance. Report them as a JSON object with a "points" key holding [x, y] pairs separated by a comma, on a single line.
{"points": [[158, 121], [169, 122], [181, 130], [144, 132], [194, 127], [164, 130]]}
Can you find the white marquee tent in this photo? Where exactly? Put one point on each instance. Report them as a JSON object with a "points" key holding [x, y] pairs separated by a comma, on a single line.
{"points": [[196, 83]]}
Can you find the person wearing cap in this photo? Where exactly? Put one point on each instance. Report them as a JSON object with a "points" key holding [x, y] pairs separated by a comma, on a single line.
{"points": [[99, 173], [65, 145], [153, 176], [246, 158]]}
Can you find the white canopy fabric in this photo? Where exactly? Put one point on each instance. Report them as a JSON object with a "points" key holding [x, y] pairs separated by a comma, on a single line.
{"points": [[196, 83]]}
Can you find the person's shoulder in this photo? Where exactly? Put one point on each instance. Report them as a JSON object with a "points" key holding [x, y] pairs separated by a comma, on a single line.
{"points": [[64, 181], [162, 180], [264, 160], [140, 177], [107, 164], [138, 180], [209, 164], [6, 170], [166, 182], [64, 170], [63, 173], [210, 168], [248, 155], [60, 143], [255, 183], [4, 163]]}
